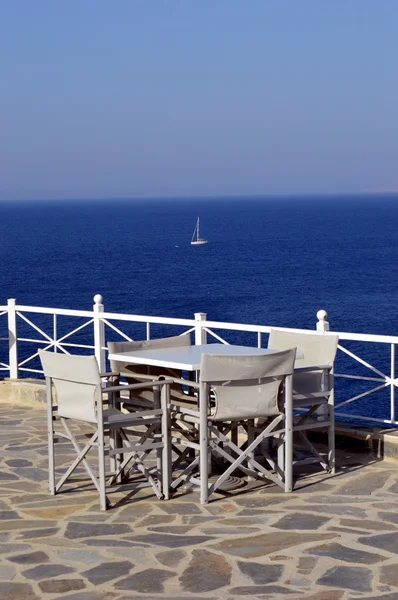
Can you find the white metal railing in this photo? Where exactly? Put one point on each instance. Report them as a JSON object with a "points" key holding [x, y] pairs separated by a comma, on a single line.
{"points": [[96, 323]]}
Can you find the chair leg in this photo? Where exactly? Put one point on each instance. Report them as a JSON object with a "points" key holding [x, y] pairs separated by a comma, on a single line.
{"points": [[331, 441], [250, 439], [204, 445], [166, 439], [50, 433], [288, 445], [101, 467]]}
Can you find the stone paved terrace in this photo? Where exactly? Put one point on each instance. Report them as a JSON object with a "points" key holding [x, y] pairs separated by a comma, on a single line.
{"points": [[333, 538]]}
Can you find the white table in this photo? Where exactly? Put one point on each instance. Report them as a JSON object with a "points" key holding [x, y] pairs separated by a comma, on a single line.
{"points": [[187, 358]]}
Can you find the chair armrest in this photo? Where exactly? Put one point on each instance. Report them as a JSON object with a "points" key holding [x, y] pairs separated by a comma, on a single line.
{"points": [[110, 374], [187, 382], [133, 375], [309, 369], [137, 386]]}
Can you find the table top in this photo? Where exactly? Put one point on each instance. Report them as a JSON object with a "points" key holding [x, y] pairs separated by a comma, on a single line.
{"points": [[183, 357]]}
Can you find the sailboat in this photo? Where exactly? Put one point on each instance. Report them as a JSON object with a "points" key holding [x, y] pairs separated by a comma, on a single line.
{"points": [[196, 239]]}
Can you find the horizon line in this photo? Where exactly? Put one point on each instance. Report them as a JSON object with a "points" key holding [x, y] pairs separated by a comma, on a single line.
{"points": [[200, 197]]}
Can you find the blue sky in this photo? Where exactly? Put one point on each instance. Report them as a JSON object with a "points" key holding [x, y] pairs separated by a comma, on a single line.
{"points": [[141, 98]]}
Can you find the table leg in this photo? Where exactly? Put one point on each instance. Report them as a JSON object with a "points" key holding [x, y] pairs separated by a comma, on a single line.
{"points": [[288, 466], [203, 443]]}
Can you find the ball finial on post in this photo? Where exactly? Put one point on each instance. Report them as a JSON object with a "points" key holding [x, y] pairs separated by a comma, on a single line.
{"points": [[97, 299], [323, 323]]}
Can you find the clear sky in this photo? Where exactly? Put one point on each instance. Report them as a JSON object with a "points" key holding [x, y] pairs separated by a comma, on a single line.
{"points": [[140, 98]]}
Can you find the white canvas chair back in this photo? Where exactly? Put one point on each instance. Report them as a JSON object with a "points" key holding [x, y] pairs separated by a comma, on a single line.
{"points": [[132, 372], [246, 387], [77, 383], [155, 344], [313, 350]]}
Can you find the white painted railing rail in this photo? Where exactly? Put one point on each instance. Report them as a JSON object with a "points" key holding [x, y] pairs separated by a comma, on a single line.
{"points": [[93, 328]]}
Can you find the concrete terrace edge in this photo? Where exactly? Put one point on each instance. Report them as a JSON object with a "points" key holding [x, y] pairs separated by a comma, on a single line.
{"points": [[382, 442]]}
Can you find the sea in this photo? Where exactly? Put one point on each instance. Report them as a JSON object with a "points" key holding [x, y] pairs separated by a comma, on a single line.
{"points": [[269, 260]]}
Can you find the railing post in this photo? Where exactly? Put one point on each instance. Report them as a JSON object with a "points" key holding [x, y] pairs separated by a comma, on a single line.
{"points": [[200, 333], [323, 326], [99, 332], [12, 338], [323, 323]]}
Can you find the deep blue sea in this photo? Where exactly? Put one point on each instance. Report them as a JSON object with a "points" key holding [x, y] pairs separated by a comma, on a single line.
{"points": [[271, 261]]}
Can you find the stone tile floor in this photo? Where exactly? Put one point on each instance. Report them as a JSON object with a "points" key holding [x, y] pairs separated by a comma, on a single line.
{"points": [[333, 538]]}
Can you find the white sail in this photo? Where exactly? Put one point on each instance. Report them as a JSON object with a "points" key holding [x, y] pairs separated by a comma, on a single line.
{"points": [[196, 239]]}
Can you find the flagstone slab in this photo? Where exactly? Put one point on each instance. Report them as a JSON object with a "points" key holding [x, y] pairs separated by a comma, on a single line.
{"points": [[52, 512], [9, 514], [389, 517], [137, 554], [384, 541], [19, 462], [32, 473], [17, 591], [345, 510], [260, 545], [80, 556], [108, 542], [345, 554], [29, 558], [46, 571], [260, 573], [347, 530], [365, 484], [391, 596], [6, 476], [83, 530], [306, 564], [206, 571], [221, 509], [107, 571], [154, 597], [181, 508], [148, 581], [59, 586], [91, 595], [393, 489], [259, 520], [175, 529], [199, 520], [365, 524], [229, 530], [8, 548], [170, 558], [7, 572], [260, 590], [335, 498], [324, 595], [38, 533], [297, 520], [136, 510], [352, 578], [262, 502], [389, 574], [172, 541], [155, 520]]}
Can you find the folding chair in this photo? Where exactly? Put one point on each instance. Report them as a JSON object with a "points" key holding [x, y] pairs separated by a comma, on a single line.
{"points": [[127, 439], [234, 391], [178, 390], [313, 389], [140, 373]]}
